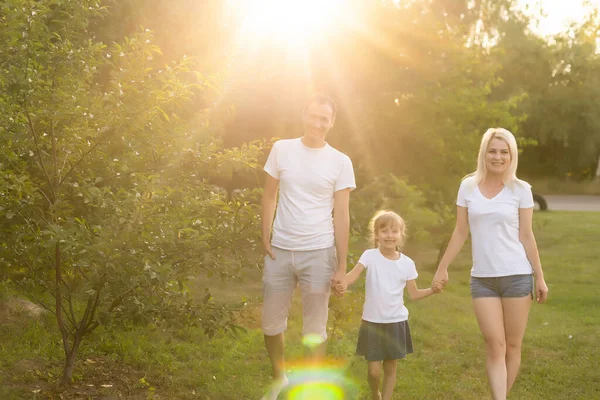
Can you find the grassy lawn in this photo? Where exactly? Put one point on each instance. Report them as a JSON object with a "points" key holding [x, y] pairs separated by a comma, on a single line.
{"points": [[559, 357]]}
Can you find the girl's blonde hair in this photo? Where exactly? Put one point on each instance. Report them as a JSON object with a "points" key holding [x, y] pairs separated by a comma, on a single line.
{"points": [[385, 218], [510, 176]]}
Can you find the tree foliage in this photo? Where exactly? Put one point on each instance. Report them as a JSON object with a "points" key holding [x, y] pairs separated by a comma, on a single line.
{"points": [[105, 207]]}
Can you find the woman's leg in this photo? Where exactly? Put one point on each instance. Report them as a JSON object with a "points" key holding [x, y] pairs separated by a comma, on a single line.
{"points": [[374, 375], [516, 313], [489, 314], [389, 378]]}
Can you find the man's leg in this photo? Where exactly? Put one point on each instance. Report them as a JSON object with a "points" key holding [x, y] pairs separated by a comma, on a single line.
{"points": [[279, 282], [275, 349], [314, 270]]}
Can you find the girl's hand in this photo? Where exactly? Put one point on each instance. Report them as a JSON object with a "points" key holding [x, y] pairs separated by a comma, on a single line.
{"points": [[541, 290], [340, 288], [437, 287]]}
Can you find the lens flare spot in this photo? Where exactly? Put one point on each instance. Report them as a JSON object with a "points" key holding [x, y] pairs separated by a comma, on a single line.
{"points": [[312, 340], [316, 390], [324, 380]]}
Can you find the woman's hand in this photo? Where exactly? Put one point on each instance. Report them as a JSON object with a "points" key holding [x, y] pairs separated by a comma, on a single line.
{"points": [[440, 277], [541, 289]]}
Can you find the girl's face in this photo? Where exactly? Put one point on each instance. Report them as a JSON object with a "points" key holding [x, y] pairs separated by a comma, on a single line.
{"points": [[497, 157], [388, 236]]}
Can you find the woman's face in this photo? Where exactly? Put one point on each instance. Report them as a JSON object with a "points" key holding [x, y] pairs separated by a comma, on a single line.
{"points": [[497, 157]]}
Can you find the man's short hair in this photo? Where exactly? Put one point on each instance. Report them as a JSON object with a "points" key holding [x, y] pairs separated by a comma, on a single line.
{"points": [[320, 98]]}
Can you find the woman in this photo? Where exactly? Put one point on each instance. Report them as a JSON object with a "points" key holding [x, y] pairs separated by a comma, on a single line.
{"points": [[497, 208]]}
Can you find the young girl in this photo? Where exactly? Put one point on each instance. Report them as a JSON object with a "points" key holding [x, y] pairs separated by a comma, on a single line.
{"points": [[384, 334]]}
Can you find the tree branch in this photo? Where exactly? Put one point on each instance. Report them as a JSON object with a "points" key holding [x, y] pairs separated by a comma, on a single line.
{"points": [[78, 162], [58, 291], [33, 298], [38, 152]]}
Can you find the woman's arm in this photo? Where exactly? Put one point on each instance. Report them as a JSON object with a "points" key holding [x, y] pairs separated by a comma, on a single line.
{"points": [[527, 238], [458, 239], [417, 294]]}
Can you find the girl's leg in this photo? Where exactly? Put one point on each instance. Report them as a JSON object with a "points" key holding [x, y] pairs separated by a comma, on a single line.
{"points": [[516, 313], [374, 375], [490, 317], [389, 378]]}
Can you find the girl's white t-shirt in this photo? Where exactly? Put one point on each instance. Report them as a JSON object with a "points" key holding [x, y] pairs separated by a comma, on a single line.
{"points": [[384, 286], [308, 179], [494, 225]]}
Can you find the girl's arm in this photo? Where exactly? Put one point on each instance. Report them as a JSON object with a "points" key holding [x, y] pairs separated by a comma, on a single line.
{"points": [[417, 294], [458, 239], [527, 238], [350, 278], [353, 275]]}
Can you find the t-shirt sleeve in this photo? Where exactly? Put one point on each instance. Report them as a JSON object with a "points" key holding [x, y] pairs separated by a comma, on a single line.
{"points": [[461, 198], [346, 178], [272, 166], [525, 195], [412, 271], [365, 258]]}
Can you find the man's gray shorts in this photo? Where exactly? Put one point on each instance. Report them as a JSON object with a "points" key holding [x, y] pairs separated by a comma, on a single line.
{"points": [[312, 270], [502, 286]]}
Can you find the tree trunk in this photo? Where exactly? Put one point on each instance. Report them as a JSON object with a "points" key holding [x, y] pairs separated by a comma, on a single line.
{"points": [[70, 362], [598, 169]]}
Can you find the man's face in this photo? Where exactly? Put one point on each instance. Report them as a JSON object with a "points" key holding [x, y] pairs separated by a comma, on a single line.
{"points": [[318, 120]]}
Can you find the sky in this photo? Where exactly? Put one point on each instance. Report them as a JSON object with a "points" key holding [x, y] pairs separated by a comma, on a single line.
{"points": [[559, 13]]}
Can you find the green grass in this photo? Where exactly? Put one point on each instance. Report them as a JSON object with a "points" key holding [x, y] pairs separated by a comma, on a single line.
{"points": [[559, 356]]}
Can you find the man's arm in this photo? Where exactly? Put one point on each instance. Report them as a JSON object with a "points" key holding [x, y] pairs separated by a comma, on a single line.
{"points": [[341, 226], [267, 212]]}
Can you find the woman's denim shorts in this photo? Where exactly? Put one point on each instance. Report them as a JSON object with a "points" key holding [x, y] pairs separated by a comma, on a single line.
{"points": [[502, 286]]}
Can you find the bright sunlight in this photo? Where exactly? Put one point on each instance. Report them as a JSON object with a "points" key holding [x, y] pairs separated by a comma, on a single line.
{"points": [[289, 20]]}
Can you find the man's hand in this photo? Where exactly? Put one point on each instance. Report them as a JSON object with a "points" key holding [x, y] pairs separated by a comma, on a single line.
{"points": [[340, 289], [338, 281], [268, 250]]}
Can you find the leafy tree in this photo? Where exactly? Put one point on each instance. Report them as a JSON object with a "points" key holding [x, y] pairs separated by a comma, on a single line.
{"points": [[104, 205]]}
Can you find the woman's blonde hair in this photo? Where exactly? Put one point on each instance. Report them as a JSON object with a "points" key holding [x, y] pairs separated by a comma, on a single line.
{"points": [[510, 175], [385, 218]]}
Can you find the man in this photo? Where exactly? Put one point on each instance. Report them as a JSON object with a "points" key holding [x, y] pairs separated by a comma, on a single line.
{"points": [[307, 245]]}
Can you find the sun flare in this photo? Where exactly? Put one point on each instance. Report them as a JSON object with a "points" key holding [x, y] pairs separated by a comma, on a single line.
{"points": [[289, 20]]}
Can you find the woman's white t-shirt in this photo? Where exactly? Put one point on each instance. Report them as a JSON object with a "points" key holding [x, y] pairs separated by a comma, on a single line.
{"points": [[494, 225], [384, 286]]}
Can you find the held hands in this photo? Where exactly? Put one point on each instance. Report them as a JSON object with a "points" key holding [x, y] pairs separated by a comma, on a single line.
{"points": [[441, 276], [340, 289], [338, 281], [437, 287], [440, 280]]}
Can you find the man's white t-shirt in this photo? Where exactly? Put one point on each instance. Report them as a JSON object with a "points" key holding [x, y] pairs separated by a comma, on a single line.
{"points": [[384, 286], [308, 179], [494, 225]]}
